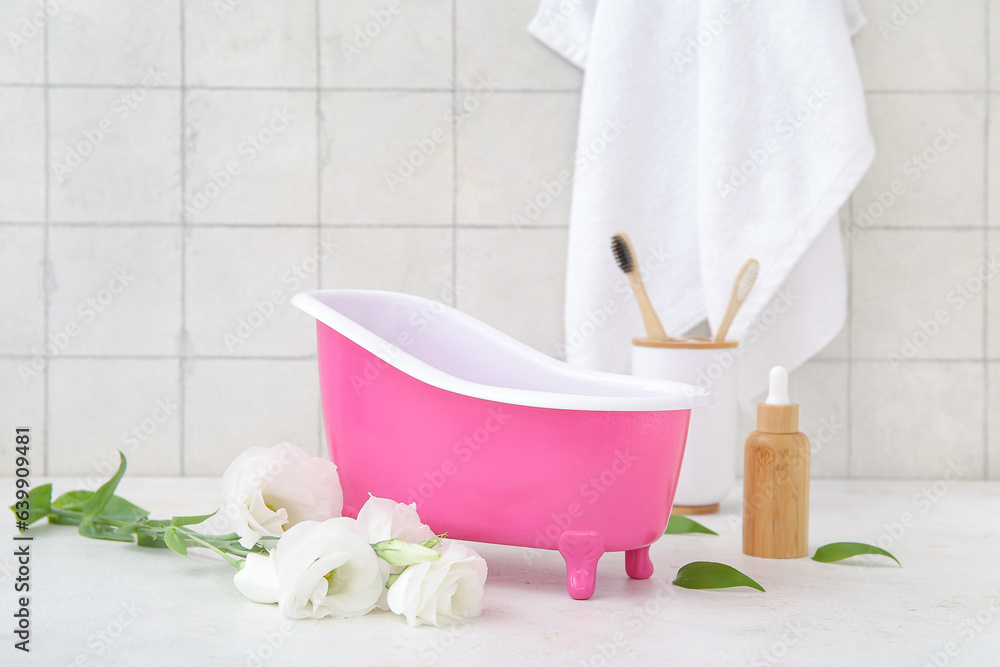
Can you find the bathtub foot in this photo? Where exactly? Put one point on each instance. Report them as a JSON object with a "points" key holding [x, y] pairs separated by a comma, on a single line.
{"points": [[637, 563], [581, 550]]}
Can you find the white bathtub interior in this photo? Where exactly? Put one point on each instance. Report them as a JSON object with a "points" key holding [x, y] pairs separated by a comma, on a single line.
{"points": [[394, 325]]}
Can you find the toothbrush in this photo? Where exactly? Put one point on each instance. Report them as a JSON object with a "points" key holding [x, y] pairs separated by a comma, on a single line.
{"points": [[741, 288], [625, 256]]}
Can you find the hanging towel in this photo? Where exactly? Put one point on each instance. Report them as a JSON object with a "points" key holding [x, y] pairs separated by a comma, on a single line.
{"points": [[711, 132]]}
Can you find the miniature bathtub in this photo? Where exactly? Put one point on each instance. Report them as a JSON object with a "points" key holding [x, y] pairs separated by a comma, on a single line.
{"points": [[495, 441]]}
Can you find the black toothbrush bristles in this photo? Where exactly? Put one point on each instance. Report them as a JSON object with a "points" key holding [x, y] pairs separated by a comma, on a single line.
{"points": [[623, 254]]}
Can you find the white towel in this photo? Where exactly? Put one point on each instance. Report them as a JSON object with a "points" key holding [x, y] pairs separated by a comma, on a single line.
{"points": [[711, 132]]}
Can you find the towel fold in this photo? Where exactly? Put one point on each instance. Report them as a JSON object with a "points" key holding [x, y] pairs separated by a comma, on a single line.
{"points": [[711, 132]]}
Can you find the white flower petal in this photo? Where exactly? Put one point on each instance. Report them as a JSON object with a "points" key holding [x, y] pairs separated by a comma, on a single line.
{"points": [[442, 591], [268, 490], [257, 580], [338, 547], [387, 520]]}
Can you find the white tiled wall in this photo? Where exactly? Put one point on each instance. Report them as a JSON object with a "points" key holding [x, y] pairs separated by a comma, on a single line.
{"points": [[174, 171]]}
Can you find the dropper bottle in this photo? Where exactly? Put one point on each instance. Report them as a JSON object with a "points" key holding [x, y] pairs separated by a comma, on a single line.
{"points": [[776, 478]]}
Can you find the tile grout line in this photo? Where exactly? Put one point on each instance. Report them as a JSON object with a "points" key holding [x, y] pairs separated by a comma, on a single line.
{"points": [[181, 361], [319, 198], [957, 91], [46, 269], [283, 225], [368, 89], [310, 89], [850, 333], [454, 151], [987, 103]]}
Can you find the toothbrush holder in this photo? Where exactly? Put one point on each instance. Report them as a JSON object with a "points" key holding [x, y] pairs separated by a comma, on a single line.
{"points": [[708, 471]]}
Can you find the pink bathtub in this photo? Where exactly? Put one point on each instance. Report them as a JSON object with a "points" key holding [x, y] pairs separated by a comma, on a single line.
{"points": [[495, 441]]}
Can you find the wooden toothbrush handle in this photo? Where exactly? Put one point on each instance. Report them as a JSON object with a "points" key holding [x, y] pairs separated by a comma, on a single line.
{"points": [[654, 329], [727, 320]]}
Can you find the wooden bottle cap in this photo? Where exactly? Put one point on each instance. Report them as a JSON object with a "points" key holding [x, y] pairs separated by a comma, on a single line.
{"points": [[778, 418]]}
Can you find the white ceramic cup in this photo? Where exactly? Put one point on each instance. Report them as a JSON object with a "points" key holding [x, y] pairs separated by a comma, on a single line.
{"points": [[708, 472]]}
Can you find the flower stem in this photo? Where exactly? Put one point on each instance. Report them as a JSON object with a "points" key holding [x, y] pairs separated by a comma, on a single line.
{"points": [[208, 545]]}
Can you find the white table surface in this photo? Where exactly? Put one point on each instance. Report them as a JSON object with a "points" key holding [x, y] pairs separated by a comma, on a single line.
{"points": [[105, 603]]}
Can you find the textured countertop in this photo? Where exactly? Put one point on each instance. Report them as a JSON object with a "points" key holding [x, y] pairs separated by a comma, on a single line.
{"points": [[103, 603]]}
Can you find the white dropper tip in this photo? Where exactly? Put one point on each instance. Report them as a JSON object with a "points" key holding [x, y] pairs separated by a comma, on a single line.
{"points": [[777, 393]]}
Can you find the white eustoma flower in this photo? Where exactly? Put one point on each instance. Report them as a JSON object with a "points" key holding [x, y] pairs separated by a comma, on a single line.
{"points": [[442, 591], [270, 489], [257, 579], [388, 520], [327, 569]]}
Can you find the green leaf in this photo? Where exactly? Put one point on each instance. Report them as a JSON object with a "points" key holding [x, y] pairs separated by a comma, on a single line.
{"points": [[831, 553], [401, 554], [706, 575], [36, 504], [96, 502], [144, 538], [127, 529], [175, 542], [119, 509], [72, 500], [90, 528], [681, 524], [191, 520], [60, 520]]}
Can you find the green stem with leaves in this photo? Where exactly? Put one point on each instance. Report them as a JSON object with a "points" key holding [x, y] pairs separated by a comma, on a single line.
{"points": [[102, 515]]}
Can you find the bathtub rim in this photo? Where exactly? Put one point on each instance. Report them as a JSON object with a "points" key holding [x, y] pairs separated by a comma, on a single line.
{"points": [[669, 395]]}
